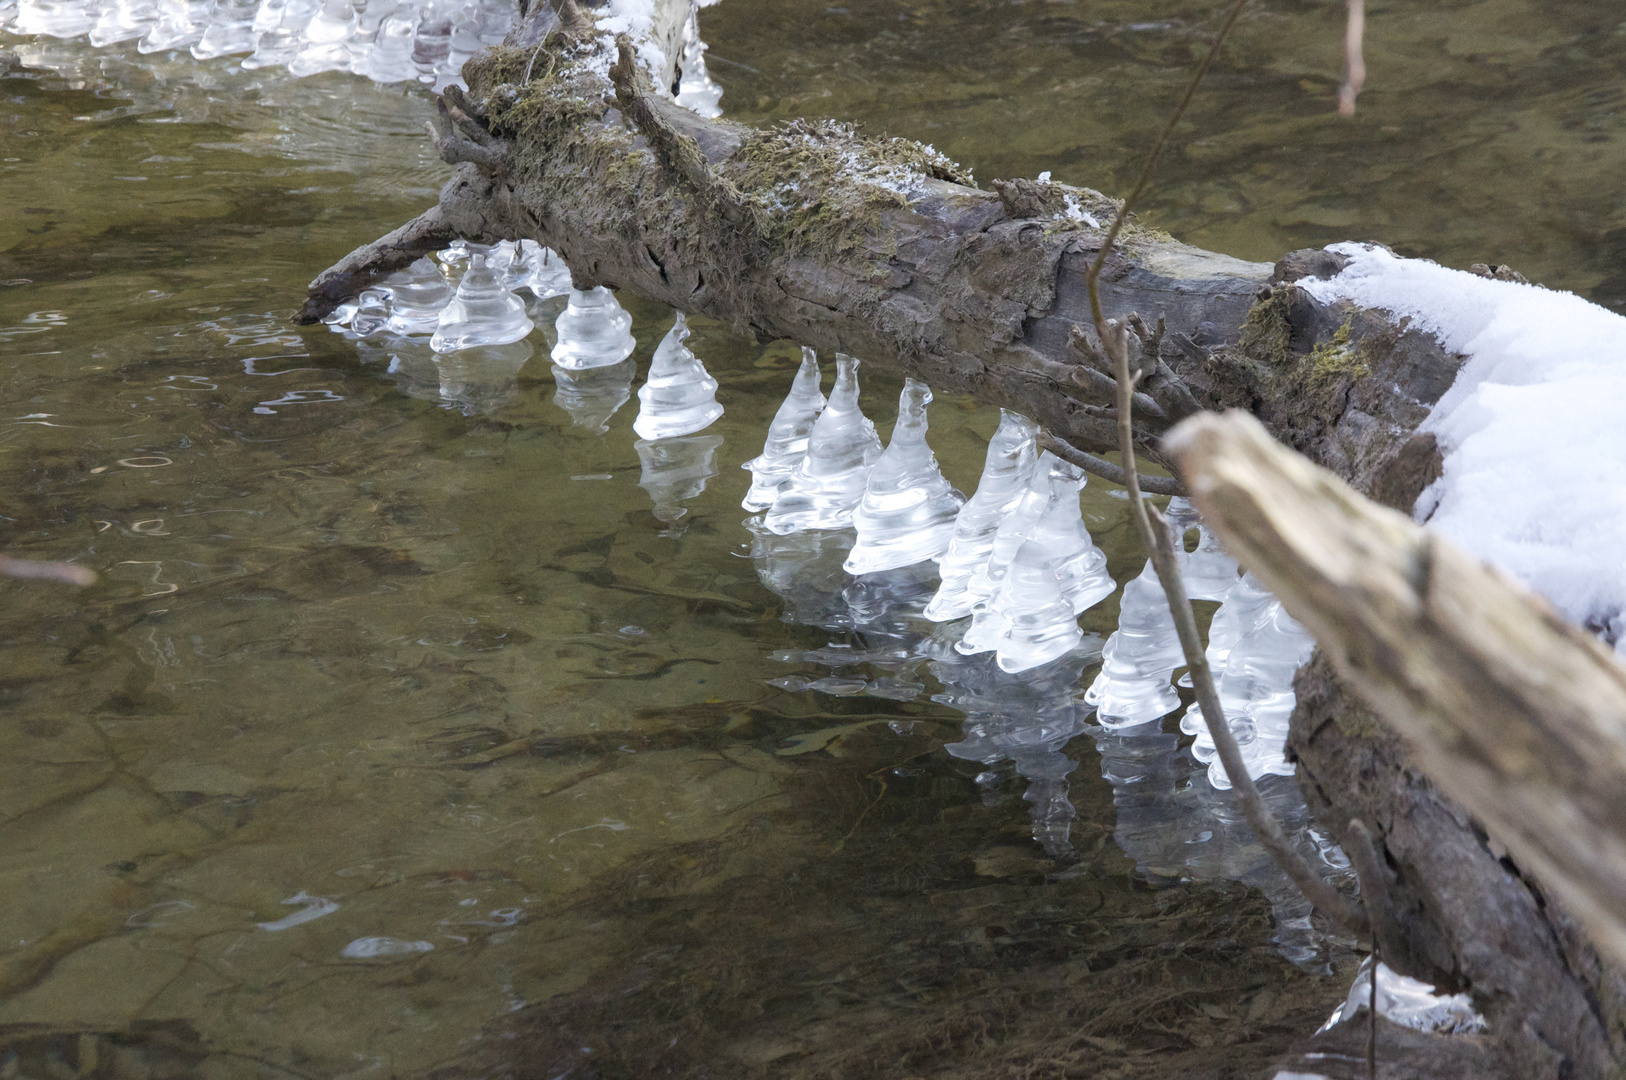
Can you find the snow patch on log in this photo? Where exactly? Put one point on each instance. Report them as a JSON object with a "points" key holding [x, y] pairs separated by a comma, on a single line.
{"points": [[1534, 445]]}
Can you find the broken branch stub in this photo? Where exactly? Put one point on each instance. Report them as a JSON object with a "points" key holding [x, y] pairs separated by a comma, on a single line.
{"points": [[1514, 712]]}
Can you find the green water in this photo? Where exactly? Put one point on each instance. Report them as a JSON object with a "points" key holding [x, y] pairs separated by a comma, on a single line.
{"points": [[440, 663]]}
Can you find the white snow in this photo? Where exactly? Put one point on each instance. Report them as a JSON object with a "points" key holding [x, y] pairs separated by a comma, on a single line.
{"points": [[1533, 431]]}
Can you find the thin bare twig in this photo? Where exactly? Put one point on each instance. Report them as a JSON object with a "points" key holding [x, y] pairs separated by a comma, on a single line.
{"points": [[1106, 470], [1354, 62], [1159, 542]]}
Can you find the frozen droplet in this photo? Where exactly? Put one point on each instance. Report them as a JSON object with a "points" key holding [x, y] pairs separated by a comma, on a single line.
{"points": [[907, 513], [369, 947], [390, 58], [417, 294], [327, 40], [230, 29], [281, 41], [675, 469], [483, 312], [1209, 573], [593, 331], [431, 41], [540, 270], [122, 20], [180, 23], [55, 18], [1007, 473], [1139, 659], [696, 90], [827, 484], [786, 444], [679, 397], [593, 395], [988, 625]]}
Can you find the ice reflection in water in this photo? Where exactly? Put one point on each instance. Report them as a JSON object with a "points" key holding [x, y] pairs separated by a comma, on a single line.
{"points": [[676, 469]]}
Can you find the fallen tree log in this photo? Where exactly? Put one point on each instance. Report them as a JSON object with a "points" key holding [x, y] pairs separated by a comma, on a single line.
{"points": [[885, 249]]}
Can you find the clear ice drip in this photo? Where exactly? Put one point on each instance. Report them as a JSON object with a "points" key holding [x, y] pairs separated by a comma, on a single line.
{"points": [[1256, 686], [593, 330], [676, 469], [540, 270], [1007, 473], [384, 40], [417, 296], [786, 444], [1408, 1002], [483, 312], [1208, 572], [592, 395], [679, 397], [987, 628], [696, 92], [828, 483], [1057, 574], [482, 378], [1139, 658], [908, 510]]}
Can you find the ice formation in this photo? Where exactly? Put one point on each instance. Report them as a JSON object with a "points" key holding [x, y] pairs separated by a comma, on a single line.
{"points": [[1208, 572], [1544, 382], [679, 397], [592, 395], [1007, 473], [988, 627], [416, 297], [786, 444], [387, 41], [1057, 573], [1408, 1002], [483, 312], [828, 483], [676, 469], [908, 510], [1255, 684], [540, 270], [482, 378], [1139, 658], [594, 331]]}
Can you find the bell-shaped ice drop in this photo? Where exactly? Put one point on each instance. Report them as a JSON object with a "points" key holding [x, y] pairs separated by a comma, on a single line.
{"points": [[594, 331], [786, 444], [593, 395], [676, 469], [180, 23], [679, 397], [696, 91], [418, 294], [540, 270], [1139, 658], [230, 29], [827, 484], [390, 58], [55, 18], [1006, 474], [908, 510], [1057, 573], [121, 20], [483, 312], [1209, 573], [282, 24], [327, 40], [988, 626]]}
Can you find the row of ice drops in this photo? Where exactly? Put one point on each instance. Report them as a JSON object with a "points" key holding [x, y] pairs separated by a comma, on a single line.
{"points": [[383, 40], [1016, 557]]}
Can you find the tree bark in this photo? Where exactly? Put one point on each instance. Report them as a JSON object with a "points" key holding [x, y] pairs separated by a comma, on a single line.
{"points": [[884, 249]]}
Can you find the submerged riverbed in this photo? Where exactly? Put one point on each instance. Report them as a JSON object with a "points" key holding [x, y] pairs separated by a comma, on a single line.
{"points": [[401, 736]]}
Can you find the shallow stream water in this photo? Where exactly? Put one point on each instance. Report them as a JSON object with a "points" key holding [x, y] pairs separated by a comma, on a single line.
{"points": [[411, 643]]}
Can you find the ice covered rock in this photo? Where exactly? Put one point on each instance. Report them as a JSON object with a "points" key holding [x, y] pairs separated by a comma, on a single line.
{"points": [[1006, 474], [1255, 691], [908, 510], [483, 312], [676, 469], [678, 397], [1057, 573], [828, 483], [417, 294], [593, 330], [786, 444], [1139, 658], [592, 395]]}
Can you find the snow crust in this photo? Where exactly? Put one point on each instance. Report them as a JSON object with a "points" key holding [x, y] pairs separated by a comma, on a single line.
{"points": [[1533, 431]]}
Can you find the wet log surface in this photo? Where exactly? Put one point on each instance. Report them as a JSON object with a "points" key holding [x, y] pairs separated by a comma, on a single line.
{"points": [[884, 250]]}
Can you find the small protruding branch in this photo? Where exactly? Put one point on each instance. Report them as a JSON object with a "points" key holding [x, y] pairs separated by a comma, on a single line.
{"points": [[66, 572], [1106, 470], [1387, 937], [458, 138], [424, 234]]}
